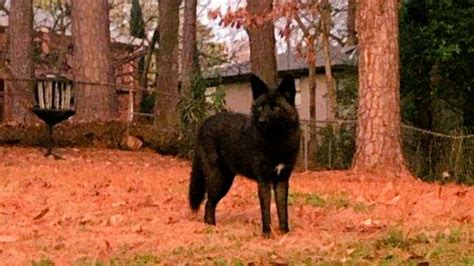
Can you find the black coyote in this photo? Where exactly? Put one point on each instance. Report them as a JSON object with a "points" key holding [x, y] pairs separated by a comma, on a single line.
{"points": [[262, 146]]}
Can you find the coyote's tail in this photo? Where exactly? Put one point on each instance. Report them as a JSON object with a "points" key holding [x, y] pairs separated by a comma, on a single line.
{"points": [[197, 186]]}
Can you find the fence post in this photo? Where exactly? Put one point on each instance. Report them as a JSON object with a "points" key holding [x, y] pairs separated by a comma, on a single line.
{"points": [[330, 143], [130, 105], [457, 156], [306, 141]]}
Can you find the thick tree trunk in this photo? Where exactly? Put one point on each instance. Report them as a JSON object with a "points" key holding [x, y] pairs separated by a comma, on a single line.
{"points": [[167, 97], [262, 43], [189, 46], [19, 94], [378, 121], [92, 61]]}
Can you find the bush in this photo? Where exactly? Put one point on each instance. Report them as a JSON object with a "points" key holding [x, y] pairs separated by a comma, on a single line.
{"points": [[195, 107], [97, 135]]}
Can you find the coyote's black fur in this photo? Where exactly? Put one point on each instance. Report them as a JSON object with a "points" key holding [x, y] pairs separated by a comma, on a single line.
{"points": [[262, 146]]}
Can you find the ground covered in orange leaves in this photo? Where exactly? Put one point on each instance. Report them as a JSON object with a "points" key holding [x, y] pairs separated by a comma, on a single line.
{"points": [[109, 207]]}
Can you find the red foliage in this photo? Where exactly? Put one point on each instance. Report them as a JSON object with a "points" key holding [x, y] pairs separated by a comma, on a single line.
{"points": [[239, 17]]}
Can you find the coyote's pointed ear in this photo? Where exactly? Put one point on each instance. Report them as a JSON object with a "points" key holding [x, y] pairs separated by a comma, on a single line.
{"points": [[258, 86], [287, 88]]}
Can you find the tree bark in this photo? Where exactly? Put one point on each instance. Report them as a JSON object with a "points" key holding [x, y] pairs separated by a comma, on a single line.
{"points": [[325, 32], [92, 61], [167, 97], [19, 93], [378, 120], [189, 47], [262, 42], [148, 57], [312, 95], [351, 32], [311, 57]]}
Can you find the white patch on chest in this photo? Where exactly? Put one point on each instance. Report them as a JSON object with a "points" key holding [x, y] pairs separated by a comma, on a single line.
{"points": [[278, 168]]}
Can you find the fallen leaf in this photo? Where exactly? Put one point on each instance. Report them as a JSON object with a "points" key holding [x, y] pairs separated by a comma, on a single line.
{"points": [[107, 245], [41, 214], [118, 204], [137, 228], [461, 193], [171, 220], [394, 200], [86, 219], [7, 239], [367, 222], [116, 219], [350, 251]]}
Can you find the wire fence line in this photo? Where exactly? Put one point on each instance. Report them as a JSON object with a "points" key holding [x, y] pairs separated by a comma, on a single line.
{"points": [[424, 131], [430, 155], [130, 87], [331, 144]]}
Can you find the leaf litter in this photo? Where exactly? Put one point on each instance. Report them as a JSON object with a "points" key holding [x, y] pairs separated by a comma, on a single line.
{"points": [[102, 204]]}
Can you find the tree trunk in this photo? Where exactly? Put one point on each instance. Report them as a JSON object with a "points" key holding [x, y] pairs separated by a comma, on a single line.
{"points": [[312, 95], [167, 97], [262, 43], [143, 94], [311, 60], [378, 120], [332, 96], [148, 57], [313, 138], [189, 47], [92, 61], [19, 94], [137, 29], [351, 32], [137, 25], [325, 31]]}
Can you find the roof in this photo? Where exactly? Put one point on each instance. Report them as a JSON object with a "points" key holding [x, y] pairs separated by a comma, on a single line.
{"points": [[45, 20], [286, 63]]}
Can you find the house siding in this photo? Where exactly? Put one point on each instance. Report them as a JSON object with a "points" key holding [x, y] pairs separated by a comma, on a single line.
{"points": [[238, 97]]}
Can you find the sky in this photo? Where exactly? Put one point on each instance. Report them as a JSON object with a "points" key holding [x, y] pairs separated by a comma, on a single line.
{"points": [[226, 34], [231, 36]]}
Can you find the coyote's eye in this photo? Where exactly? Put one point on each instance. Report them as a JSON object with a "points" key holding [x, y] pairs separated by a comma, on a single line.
{"points": [[260, 108]]}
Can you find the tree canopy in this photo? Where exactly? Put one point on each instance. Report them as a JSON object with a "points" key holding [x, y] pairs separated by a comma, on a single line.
{"points": [[437, 55]]}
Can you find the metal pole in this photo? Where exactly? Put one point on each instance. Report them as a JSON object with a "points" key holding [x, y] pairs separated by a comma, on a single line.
{"points": [[50, 140]]}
